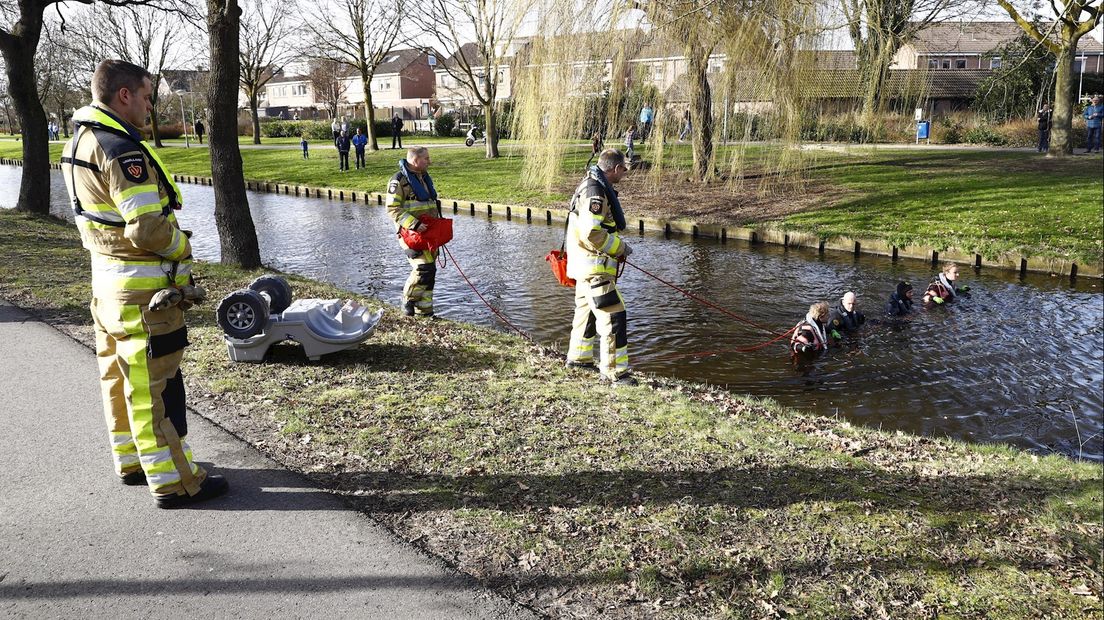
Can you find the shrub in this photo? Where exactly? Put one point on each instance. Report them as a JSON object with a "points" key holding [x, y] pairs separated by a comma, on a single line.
{"points": [[170, 131], [444, 125], [984, 134]]}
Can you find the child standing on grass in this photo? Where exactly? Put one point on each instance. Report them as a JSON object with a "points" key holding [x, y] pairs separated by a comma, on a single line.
{"points": [[629, 135], [303, 143]]}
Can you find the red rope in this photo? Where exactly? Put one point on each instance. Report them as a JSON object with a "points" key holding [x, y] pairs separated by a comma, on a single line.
{"points": [[478, 294], [705, 302], [747, 349]]}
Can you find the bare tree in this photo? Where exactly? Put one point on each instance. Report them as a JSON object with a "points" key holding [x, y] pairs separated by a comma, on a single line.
{"points": [[62, 81], [20, 30], [360, 36], [329, 81], [237, 234], [476, 66], [142, 35], [1073, 20], [265, 48], [879, 28]]}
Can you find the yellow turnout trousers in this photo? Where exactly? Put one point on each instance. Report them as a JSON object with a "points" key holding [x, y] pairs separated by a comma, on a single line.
{"points": [[139, 353], [418, 289], [600, 315]]}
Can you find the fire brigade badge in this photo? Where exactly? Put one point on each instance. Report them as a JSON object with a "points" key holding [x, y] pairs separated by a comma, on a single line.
{"points": [[134, 168]]}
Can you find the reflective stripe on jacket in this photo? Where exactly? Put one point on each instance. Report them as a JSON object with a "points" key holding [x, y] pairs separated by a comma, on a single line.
{"points": [[593, 243], [124, 200]]}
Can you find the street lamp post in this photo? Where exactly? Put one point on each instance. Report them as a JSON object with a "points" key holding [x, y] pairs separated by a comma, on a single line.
{"points": [[1080, 79], [184, 120]]}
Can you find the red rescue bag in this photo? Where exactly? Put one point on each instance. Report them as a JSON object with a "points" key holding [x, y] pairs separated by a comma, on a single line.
{"points": [[438, 232], [558, 260]]}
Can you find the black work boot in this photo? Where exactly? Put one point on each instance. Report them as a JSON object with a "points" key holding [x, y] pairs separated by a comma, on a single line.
{"points": [[134, 478], [577, 365], [212, 487], [408, 308], [624, 380]]}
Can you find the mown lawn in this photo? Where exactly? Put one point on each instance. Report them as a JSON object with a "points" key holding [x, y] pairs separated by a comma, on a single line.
{"points": [[667, 500], [976, 201]]}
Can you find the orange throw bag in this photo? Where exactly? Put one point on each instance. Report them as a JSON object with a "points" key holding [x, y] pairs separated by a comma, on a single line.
{"points": [[438, 232], [558, 260]]}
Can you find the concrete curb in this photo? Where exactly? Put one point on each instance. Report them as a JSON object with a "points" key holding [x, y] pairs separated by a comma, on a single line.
{"points": [[765, 233]]}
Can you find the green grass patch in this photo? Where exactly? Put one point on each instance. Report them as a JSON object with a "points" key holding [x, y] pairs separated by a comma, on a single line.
{"points": [[666, 500]]}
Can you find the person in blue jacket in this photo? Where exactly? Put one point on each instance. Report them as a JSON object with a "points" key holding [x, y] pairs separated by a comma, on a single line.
{"points": [[359, 142], [1093, 114]]}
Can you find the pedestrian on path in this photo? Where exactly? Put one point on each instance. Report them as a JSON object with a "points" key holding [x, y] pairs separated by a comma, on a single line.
{"points": [[199, 129], [396, 131], [303, 144], [124, 202], [336, 129], [1093, 114], [647, 117]]}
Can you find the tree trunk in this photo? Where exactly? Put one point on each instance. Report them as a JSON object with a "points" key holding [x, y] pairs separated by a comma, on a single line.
{"points": [[254, 105], [63, 122], [237, 235], [701, 113], [155, 126], [369, 110], [19, 53], [490, 117], [1061, 128]]}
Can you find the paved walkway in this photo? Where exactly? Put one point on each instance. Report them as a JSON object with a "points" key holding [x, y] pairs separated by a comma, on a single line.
{"points": [[76, 543]]}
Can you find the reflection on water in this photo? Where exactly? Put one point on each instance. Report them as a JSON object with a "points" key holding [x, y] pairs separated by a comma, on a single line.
{"points": [[1020, 361]]}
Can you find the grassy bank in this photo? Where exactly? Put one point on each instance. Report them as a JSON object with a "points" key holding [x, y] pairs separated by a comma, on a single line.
{"points": [[669, 499], [976, 201]]}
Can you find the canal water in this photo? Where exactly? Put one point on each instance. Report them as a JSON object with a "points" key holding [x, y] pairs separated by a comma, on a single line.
{"points": [[1020, 361]]}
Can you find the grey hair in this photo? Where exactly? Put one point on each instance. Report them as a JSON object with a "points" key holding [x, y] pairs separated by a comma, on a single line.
{"points": [[414, 152], [610, 159]]}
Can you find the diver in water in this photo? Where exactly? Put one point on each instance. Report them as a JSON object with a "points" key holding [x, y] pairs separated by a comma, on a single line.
{"points": [[811, 334], [845, 316], [900, 302], [944, 287]]}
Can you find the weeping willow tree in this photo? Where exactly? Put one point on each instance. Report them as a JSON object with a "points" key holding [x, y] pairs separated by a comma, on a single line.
{"points": [[585, 73]]}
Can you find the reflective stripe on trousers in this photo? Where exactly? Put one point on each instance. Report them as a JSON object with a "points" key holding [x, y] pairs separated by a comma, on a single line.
{"points": [[419, 284], [600, 315], [143, 397]]}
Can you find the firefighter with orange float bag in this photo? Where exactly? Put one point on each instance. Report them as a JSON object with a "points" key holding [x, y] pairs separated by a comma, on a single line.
{"points": [[422, 231], [594, 252]]}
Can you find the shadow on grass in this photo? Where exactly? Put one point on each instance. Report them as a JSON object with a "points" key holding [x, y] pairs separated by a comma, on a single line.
{"points": [[757, 487]]}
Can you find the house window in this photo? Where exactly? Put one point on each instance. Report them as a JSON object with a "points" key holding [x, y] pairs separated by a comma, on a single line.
{"points": [[946, 64], [300, 90], [933, 63], [658, 67], [1077, 65], [960, 63], [995, 62]]}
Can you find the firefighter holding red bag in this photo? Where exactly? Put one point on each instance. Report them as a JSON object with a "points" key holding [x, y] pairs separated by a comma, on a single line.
{"points": [[594, 248], [412, 204]]}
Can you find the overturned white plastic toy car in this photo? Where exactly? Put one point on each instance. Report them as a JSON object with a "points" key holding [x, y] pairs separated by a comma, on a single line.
{"points": [[256, 318]]}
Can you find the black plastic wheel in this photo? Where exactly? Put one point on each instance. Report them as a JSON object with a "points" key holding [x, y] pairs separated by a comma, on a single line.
{"points": [[242, 314], [277, 289], [468, 142]]}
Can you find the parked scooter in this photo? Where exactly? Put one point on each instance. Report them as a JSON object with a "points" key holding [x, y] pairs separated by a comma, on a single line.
{"points": [[474, 136]]}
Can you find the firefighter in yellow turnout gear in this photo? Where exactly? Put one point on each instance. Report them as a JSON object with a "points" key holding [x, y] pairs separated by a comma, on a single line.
{"points": [[594, 247], [411, 195], [123, 200]]}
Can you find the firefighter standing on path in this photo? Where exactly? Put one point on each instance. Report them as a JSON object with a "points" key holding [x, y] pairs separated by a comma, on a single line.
{"points": [[411, 196], [594, 248], [123, 200]]}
